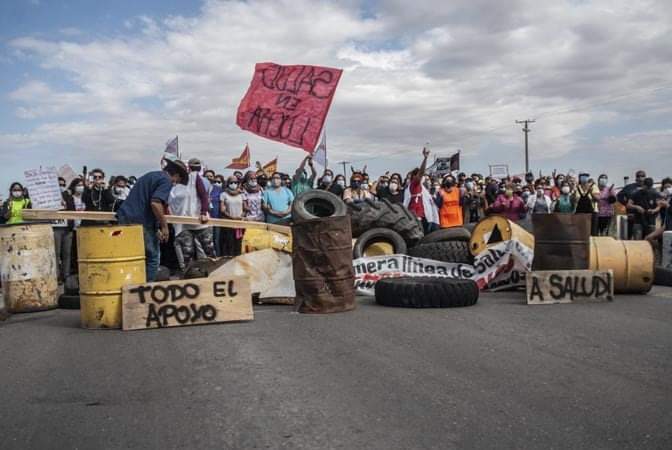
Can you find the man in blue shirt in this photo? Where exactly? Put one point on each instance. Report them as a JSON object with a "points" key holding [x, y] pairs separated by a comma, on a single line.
{"points": [[145, 205], [277, 201]]}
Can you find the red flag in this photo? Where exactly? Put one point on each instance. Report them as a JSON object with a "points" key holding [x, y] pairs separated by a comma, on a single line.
{"points": [[242, 162], [288, 103]]}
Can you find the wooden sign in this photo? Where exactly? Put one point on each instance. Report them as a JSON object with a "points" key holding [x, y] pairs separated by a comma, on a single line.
{"points": [[186, 302], [545, 287]]}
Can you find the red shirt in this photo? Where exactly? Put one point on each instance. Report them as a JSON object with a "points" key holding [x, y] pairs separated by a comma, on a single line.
{"points": [[415, 205]]}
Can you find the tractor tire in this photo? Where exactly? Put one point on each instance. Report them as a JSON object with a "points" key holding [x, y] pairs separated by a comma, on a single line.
{"points": [[385, 214], [426, 292], [446, 251], [378, 235], [316, 204], [447, 234]]}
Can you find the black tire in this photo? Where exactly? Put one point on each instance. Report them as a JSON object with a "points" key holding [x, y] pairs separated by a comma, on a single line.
{"points": [[446, 251], [316, 204], [385, 214], [378, 235], [71, 285], [68, 301], [662, 276], [447, 234], [426, 292]]}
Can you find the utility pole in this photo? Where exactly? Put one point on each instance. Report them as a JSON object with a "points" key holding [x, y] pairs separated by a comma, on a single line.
{"points": [[526, 130], [344, 163]]}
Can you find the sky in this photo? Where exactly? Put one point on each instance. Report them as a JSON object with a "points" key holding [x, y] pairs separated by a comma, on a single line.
{"points": [[106, 84]]}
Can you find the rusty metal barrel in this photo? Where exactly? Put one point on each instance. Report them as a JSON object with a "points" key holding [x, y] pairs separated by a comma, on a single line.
{"points": [[109, 257], [28, 269], [631, 261], [494, 229], [322, 265], [561, 241]]}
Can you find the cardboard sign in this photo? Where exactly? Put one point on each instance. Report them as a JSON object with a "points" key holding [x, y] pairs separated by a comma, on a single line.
{"points": [[288, 104], [546, 287], [42, 185], [186, 302], [67, 173]]}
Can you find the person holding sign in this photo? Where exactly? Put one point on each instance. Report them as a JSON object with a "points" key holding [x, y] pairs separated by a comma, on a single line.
{"points": [[12, 209], [145, 205]]}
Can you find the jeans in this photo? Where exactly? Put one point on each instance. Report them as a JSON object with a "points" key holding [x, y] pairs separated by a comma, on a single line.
{"points": [[63, 243], [152, 252]]}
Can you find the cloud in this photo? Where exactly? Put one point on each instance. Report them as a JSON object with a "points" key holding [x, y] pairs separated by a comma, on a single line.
{"points": [[456, 74]]}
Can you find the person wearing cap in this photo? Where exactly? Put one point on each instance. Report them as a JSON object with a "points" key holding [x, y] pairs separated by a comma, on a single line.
{"points": [[145, 205]]}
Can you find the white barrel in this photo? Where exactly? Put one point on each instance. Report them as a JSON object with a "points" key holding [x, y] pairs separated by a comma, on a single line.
{"points": [[28, 268]]}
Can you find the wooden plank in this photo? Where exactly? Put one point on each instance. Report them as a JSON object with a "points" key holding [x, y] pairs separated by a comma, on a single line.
{"points": [[51, 214], [186, 302], [546, 287]]}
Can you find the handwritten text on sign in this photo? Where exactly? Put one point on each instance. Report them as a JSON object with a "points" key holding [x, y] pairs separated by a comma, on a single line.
{"points": [[186, 302], [288, 103], [545, 287], [42, 185]]}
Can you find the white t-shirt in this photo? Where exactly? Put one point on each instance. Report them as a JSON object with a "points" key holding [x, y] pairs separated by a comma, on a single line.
{"points": [[234, 205]]}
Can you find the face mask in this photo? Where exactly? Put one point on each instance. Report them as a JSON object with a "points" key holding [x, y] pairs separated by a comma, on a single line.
{"points": [[469, 185], [326, 179], [668, 190], [525, 195], [252, 183], [602, 182], [384, 184], [540, 192], [233, 185], [79, 189], [277, 182], [218, 183], [365, 186], [62, 188], [508, 193], [565, 189], [341, 183], [394, 187], [355, 184], [17, 194], [583, 180]]}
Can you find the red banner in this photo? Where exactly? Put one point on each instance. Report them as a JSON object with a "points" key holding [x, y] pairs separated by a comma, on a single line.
{"points": [[288, 103]]}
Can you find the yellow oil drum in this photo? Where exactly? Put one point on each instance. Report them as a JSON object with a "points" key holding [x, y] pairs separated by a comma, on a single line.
{"points": [[254, 240], [28, 269], [631, 261], [494, 229], [109, 258]]}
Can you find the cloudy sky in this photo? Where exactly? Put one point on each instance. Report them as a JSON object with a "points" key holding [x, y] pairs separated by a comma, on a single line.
{"points": [[108, 83]]}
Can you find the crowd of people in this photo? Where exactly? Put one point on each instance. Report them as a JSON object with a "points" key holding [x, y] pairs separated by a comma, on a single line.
{"points": [[438, 201]]}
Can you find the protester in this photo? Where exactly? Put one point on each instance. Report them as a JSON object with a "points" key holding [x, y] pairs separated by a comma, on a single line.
{"points": [[449, 201], [252, 199], [509, 205], [145, 205], [474, 202], [417, 198], [338, 186], [301, 182], [355, 193], [624, 196], [566, 201], [605, 205], [539, 202], [231, 207], [277, 201], [119, 191], [214, 210], [96, 196], [12, 208], [645, 203], [325, 180]]}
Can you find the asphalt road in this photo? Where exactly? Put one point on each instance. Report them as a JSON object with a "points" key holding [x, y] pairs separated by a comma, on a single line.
{"points": [[497, 375]]}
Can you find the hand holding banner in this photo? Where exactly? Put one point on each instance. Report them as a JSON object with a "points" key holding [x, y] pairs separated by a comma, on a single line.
{"points": [[288, 103]]}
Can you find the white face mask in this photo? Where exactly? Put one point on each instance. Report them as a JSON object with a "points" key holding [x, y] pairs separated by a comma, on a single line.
{"points": [[602, 182], [469, 185], [668, 190], [340, 183], [233, 185], [394, 187], [565, 189], [326, 179], [252, 183], [62, 188], [17, 194], [364, 187], [79, 189]]}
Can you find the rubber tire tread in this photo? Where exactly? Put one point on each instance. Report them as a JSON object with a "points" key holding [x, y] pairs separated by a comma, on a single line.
{"points": [[384, 214], [375, 235], [301, 214], [447, 234], [426, 292], [662, 276], [66, 301], [445, 251]]}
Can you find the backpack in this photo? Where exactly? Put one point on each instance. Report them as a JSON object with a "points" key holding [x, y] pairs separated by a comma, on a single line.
{"points": [[585, 203]]}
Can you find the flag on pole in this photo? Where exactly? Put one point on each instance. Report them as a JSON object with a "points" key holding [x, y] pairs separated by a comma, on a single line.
{"points": [[320, 155], [172, 148], [455, 161], [243, 161], [270, 167]]}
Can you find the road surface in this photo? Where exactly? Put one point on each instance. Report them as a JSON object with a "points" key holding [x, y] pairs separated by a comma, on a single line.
{"points": [[500, 374]]}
